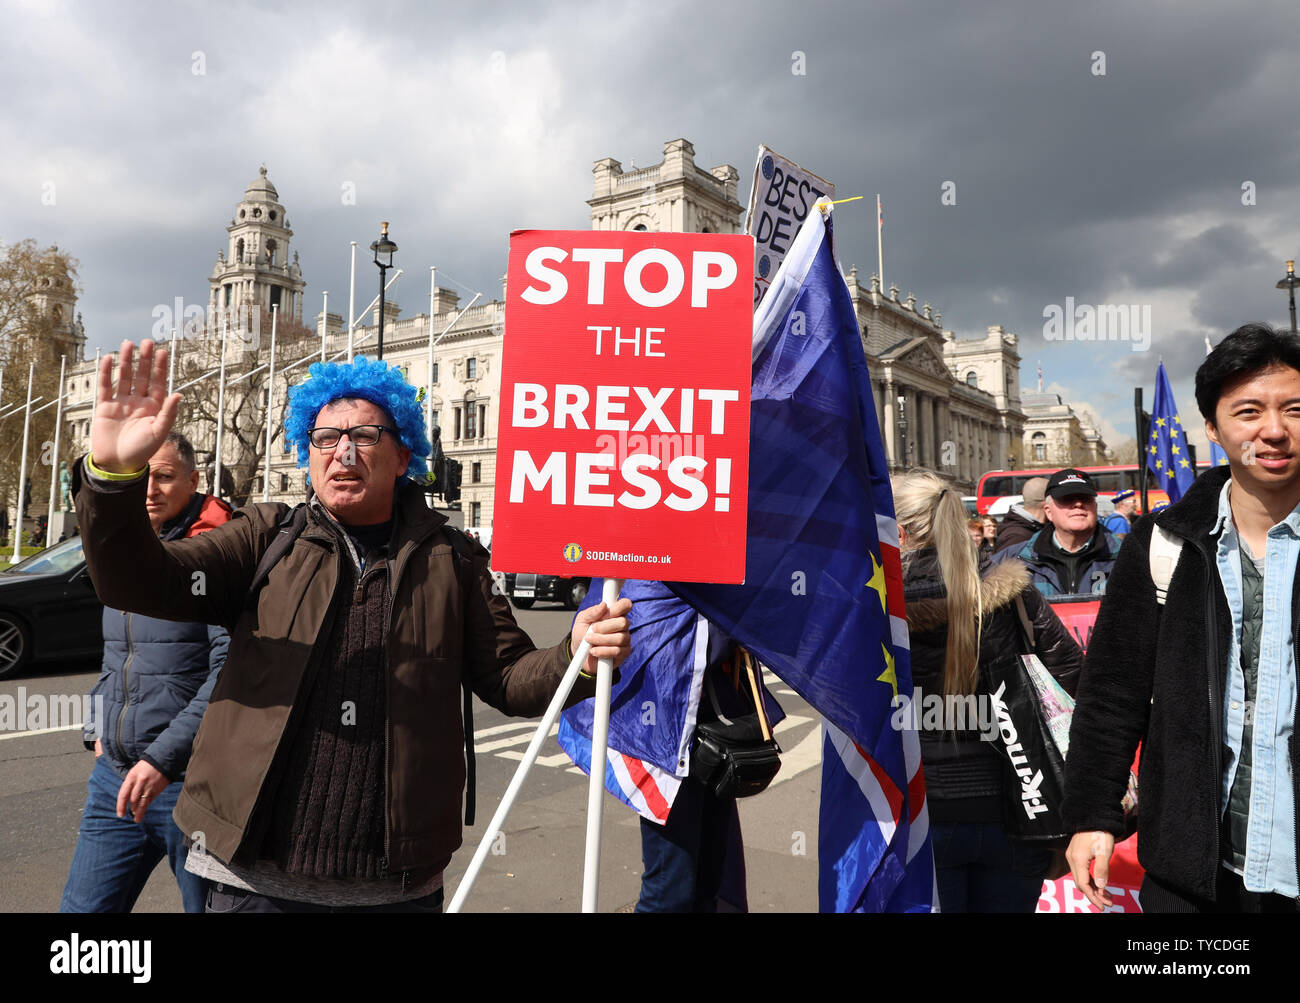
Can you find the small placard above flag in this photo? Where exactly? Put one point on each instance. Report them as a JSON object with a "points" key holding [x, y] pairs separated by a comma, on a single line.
{"points": [[782, 196]]}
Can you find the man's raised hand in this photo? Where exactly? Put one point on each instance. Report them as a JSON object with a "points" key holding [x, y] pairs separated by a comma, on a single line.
{"points": [[133, 419]]}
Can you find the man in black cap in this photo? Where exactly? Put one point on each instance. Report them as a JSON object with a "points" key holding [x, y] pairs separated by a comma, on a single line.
{"points": [[1072, 555]]}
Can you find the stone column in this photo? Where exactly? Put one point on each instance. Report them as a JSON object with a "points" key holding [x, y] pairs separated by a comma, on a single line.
{"points": [[890, 424]]}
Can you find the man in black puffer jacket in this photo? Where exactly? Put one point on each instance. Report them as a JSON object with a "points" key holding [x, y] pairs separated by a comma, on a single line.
{"points": [[146, 707]]}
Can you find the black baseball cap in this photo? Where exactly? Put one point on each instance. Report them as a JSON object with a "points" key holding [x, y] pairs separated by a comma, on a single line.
{"points": [[1069, 481]]}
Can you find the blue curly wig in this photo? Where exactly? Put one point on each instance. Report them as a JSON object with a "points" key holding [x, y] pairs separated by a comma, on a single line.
{"points": [[366, 379]]}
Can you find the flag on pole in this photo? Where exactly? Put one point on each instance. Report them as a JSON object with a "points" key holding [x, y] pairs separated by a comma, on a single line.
{"points": [[822, 603], [1218, 458], [1167, 455]]}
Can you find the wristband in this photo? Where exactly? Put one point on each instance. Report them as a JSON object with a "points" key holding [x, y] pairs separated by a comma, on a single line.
{"points": [[105, 475]]}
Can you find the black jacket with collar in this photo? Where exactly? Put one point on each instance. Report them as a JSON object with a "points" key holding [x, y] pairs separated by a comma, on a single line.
{"points": [[1157, 674]]}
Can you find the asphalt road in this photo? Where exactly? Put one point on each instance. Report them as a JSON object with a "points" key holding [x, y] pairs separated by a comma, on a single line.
{"points": [[536, 866]]}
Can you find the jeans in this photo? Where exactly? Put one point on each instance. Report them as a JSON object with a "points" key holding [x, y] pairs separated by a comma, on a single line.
{"points": [[979, 869], [224, 899], [696, 862], [115, 856]]}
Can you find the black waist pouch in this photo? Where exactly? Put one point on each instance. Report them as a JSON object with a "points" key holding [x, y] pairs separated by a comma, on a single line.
{"points": [[736, 756]]}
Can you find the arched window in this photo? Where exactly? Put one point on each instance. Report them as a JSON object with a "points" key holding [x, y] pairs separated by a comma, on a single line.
{"points": [[972, 379], [1039, 442], [270, 251], [639, 226], [239, 250]]}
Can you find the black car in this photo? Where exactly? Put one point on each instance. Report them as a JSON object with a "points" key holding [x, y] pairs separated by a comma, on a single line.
{"points": [[524, 590], [49, 610]]}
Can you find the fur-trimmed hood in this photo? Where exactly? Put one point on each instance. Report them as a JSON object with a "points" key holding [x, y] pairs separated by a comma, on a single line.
{"points": [[926, 598]]}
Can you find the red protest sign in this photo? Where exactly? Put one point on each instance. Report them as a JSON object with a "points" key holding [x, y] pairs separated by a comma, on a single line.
{"points": [[623, 447]]}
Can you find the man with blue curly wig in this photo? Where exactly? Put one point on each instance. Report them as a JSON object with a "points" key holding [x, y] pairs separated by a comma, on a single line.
{"points": [[328, 772]]}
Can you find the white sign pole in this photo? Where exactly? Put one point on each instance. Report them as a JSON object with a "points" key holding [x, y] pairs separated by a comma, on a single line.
{"points": [[270, 406], [599, 754], [325, 326], [22, 467], [512, 792], [54, 459]]}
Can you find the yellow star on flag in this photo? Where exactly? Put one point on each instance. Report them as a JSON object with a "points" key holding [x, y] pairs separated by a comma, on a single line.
{"points": [[1174, 449], [1173, 433], [1159, 464], [1160, 422], [889, 675], [1155, 434], [877, 581], [1154, 450], [1176, 421], [1169, 472], [1183, 463]]}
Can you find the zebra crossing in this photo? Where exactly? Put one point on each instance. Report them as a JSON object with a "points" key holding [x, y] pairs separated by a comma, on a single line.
{"points": [[800, 737]]}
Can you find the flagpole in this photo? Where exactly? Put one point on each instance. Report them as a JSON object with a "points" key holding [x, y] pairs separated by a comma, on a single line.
{"points": [[352, 298], [54, 460], [880, 243], [221, 409], [270, 405], [325, 324], [512, 792], [599, 756], [22, 467]]}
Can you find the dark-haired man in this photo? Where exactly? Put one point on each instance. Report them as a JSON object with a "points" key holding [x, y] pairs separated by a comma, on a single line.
{"points": [[329, 769], [1072, 555], [151, 694], [1194, 654]]}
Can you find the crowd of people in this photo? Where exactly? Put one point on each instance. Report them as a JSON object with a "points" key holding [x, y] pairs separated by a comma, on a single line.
{"points": [[289, 733]]}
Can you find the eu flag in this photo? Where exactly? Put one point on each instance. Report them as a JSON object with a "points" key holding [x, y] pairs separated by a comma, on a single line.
{"points": [[822, 603], [1167, 455]]}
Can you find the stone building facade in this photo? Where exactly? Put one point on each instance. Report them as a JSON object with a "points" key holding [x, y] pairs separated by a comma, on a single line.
{"points": [[952, 405], [1055, 436]]}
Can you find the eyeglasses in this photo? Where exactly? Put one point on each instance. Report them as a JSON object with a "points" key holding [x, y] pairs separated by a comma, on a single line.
{"points": [[359, 435]]}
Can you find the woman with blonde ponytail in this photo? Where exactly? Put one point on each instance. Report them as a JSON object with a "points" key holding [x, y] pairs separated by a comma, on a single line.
{"points": [[961, 613]]}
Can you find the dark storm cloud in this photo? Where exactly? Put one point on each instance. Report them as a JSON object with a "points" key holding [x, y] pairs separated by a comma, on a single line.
{"points": [[461, 122]]}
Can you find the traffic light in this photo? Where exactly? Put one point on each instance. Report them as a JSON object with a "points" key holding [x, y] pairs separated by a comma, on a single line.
{"points": [[451, 486]]}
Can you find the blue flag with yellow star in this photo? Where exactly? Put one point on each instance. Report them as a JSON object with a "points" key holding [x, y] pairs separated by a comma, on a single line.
{"points": [[822, 602], [1167, 455]]}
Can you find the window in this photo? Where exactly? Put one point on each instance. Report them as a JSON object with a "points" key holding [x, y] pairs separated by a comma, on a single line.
{"points": [[1040, 446], [435, 419], [435, 374], [475, 473], [471, 426], [284, 482], [471, 371], [972, 379], [475, 513]]}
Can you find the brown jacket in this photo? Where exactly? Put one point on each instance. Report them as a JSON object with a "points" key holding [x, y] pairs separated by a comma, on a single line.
{"points": [[432, 634]]}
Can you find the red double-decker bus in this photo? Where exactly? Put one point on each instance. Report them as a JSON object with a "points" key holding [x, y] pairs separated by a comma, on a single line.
{"points": [[999, 488]]}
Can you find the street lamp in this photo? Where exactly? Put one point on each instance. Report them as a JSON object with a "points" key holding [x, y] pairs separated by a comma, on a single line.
{"points": [[383, 248], [904, 447], [1288, 282]]}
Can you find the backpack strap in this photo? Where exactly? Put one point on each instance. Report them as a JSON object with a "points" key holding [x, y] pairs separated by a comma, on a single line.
{"points": [[463, 557], [1026, 624], [1165, 548], [290, 528]]}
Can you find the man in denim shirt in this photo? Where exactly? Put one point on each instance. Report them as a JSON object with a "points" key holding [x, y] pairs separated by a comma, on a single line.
{"points": [[1204, 676]]}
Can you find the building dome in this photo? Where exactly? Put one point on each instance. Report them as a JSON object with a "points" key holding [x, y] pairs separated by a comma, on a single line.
{"points": [[260, 188]]}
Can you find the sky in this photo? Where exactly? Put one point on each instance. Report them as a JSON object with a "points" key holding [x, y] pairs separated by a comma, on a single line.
{"points": [[1118, 154]]}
